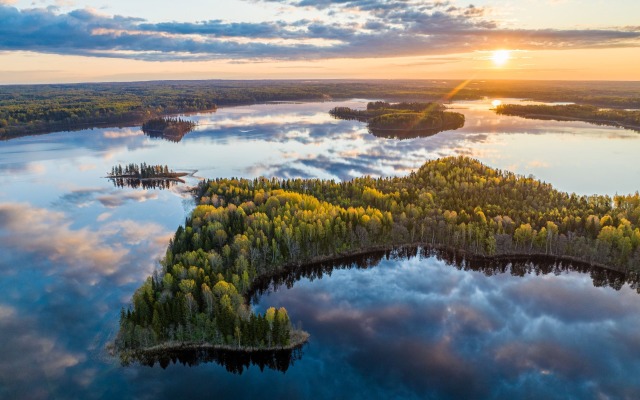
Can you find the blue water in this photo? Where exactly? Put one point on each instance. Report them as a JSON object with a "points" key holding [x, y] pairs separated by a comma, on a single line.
{"points": [[73, 249]]}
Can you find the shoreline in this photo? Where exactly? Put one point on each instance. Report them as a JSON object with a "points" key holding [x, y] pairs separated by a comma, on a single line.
{"points": [[606, 122], [344, 257], [446, 249], [298, 339]]}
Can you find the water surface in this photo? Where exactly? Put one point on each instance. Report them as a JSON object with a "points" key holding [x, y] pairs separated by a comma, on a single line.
{"points": [[74, 248]]}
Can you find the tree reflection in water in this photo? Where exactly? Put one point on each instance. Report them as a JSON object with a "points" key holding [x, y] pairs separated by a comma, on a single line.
{"points": [[234, 361], [515, 265], [155, 183]]}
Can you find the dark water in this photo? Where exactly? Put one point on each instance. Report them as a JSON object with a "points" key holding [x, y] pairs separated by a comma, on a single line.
{"points": [[74, 247]]}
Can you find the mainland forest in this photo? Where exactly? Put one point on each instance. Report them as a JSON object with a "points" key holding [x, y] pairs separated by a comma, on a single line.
{"points": [[245, 230], [32, 109], [574, 112]]}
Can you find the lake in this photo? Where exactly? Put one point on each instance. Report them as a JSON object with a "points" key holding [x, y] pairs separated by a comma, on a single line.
{"points": [[75, 247]]}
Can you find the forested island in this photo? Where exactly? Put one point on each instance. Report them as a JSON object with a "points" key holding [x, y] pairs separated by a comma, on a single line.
{"points": [[144, 171], [403, 120], [32, 109], [574, 112], [244, 231], [144, 175], [172, 129]]}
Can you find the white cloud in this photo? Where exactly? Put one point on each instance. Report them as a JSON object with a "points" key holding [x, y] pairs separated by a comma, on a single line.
{"points": [[382, 29]]}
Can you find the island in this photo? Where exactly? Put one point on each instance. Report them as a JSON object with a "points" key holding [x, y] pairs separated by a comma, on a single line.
{"points": [[172, 129], [144, 175], [629, 119], [403, 120], [245, 231]]}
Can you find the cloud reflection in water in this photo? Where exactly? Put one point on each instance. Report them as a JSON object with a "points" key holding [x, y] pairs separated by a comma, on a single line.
{"points": [[422, 328]]}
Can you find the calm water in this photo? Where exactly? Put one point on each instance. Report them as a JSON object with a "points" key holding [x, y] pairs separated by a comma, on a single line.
{"points": [[74, 248]]}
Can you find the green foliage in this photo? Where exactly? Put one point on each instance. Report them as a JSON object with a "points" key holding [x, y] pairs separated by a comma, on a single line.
{"points": [[247, 229], [404, 118]]}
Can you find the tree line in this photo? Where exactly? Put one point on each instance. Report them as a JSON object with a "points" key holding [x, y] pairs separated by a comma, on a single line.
{"points": [[245, 229], [141, 171], [29, 109], [588, 113]]}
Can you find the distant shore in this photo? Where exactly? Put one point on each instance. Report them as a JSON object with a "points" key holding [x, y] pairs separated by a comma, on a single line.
{"points": [[588, 120]]}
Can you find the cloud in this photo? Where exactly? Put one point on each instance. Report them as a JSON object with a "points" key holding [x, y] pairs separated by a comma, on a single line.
{"points": [[80, 197], [116, 199], [544, 357], [22, 168], [420, 327], [33, 356], [384, 29], [51, 236], [122, 133], [83, 254]]}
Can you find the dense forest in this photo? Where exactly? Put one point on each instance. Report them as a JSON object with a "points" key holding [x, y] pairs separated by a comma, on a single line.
{"points": [[172, 129], [384, 118], [30, 109], [244, 230], [587, 113]]}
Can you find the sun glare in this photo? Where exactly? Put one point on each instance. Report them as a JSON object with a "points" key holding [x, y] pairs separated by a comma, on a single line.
{"points": [[496, 103], [500, 57]]}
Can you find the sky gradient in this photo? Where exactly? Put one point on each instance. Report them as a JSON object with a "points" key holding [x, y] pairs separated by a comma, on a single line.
{"points": [[86, 40]]}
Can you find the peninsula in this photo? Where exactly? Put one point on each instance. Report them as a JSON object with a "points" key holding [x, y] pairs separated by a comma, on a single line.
{"points": [[629, 119], [245, 230]]}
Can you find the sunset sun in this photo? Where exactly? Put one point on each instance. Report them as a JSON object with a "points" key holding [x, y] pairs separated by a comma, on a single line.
{"points": [[500, 57]]}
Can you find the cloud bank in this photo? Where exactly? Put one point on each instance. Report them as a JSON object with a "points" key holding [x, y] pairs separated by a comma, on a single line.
{"points": [[343, 29]]}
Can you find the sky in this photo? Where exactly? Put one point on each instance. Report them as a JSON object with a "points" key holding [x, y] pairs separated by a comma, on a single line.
{"points": [[45, 41]]}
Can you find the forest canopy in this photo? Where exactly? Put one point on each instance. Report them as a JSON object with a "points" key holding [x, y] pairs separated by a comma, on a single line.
{"points": [[245, 229]]}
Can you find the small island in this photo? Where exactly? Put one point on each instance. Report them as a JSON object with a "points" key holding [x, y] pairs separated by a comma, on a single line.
{"points": [[403, 120], [244, 231], [144, 175], [144, 171], [172, 129], [574, 112]]}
